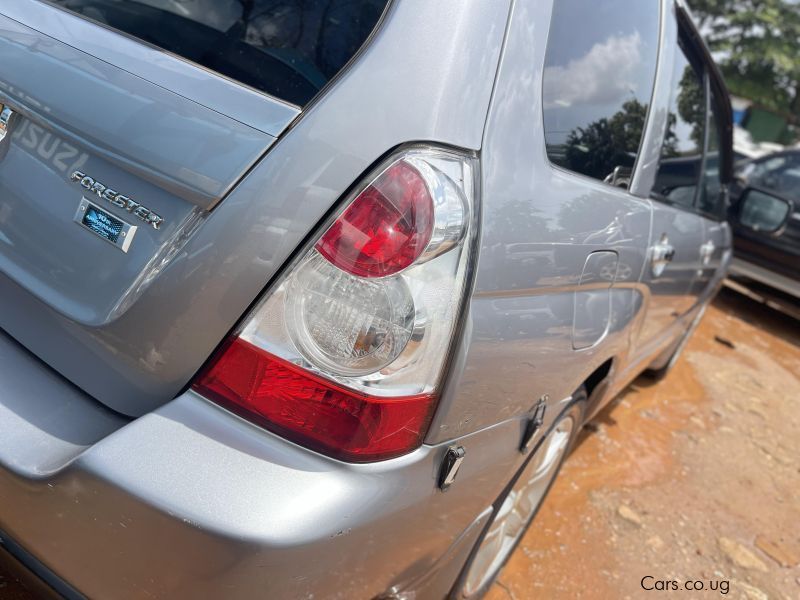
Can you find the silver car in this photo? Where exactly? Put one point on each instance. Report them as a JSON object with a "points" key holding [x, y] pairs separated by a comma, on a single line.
{"points": [[310, 298]]}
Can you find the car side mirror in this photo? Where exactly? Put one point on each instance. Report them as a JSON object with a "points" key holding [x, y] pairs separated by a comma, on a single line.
{"points": [[763, 211]]}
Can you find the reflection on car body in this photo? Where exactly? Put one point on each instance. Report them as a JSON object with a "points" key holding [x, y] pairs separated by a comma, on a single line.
{"points": [[391, 283]]}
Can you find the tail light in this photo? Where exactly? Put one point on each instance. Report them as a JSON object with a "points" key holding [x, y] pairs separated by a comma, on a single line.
{"points": [[345, 353]]}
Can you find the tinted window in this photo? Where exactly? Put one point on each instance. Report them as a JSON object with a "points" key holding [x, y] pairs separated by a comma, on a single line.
{"points": [[598, 79], [287, 48], [780, 173], [710, 199], [682, 153]]}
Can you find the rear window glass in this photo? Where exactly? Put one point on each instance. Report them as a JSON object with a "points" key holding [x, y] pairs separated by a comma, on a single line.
{"points": [[679, 169], [598, 79], [286, 48]]}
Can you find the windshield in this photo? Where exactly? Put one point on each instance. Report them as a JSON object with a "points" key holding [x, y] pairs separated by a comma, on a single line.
{"points": [[780, 173], [286, 48]]}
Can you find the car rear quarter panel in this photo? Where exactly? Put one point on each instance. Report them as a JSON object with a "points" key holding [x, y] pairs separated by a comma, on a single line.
{"points": [[539, 225], [190, 501]]}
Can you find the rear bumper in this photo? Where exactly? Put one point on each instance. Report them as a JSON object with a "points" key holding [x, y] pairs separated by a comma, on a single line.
{"points": [[191, 501]]}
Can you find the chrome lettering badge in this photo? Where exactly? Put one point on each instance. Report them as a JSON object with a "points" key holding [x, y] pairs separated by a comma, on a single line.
{"points": [[106, 193]]}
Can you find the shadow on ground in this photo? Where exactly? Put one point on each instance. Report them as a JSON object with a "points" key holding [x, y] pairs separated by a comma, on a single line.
{"points": [[693, 480]]}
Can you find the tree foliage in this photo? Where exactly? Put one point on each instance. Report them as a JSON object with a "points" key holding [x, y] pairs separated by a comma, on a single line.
{"points": [[756, 43], [691, 105], [602, 145]]}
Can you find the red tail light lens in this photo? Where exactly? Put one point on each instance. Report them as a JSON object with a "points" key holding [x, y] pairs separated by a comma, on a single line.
{"points": [[386, 228], [345, 353], [311, 410]]}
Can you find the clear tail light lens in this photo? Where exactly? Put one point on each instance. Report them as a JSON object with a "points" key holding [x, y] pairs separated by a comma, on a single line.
{"points": [[345, 353]]}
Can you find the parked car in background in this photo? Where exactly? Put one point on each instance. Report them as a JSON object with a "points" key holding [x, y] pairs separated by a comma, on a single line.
{"points": [[311, 299], [765, 213]]}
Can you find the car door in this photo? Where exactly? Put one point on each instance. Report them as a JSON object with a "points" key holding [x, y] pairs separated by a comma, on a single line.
{"points": [[757, 244], [688, 240], [563, 237], [712, 199]]}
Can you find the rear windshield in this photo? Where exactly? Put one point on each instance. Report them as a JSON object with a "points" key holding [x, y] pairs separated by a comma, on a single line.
{"points": [[286, 48]]}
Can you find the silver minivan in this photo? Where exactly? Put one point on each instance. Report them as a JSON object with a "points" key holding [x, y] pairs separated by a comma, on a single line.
{"points": [[310, 298]]}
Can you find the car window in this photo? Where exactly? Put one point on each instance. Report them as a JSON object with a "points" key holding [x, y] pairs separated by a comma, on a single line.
{"points": [[779, 173], [286, 48], [681, 158], [598, 80], [710, 199], [790, 182]]}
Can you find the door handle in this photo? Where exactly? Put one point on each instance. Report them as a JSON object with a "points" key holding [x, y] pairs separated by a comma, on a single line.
{"points": [[706, 252], [661, 254]]}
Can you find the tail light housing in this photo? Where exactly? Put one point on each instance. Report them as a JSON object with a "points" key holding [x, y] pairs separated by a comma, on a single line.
{"points": [[345, 353]]}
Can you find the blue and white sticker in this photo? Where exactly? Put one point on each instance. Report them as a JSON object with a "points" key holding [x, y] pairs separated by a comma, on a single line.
{"points": [[105, 225]]}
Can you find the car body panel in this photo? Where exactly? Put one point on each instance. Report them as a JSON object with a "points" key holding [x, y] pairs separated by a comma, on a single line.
{"points": [[749, 270], [253, 506], [685, 280], [670, 292], [540, 224], [250, 107], [194, 297], [160, 136], [719, 233], [648, 162], [74, 113], [44, 422], [779, 253], [187, 499]]}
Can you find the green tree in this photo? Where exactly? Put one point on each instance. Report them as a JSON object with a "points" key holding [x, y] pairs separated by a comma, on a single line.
{"points": [[605, 144], [670, 146], [692, 105], [756, 43]]}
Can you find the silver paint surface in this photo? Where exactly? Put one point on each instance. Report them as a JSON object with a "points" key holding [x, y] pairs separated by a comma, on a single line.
{"points": [[264, 113], [196, 502], [147, 347]]}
